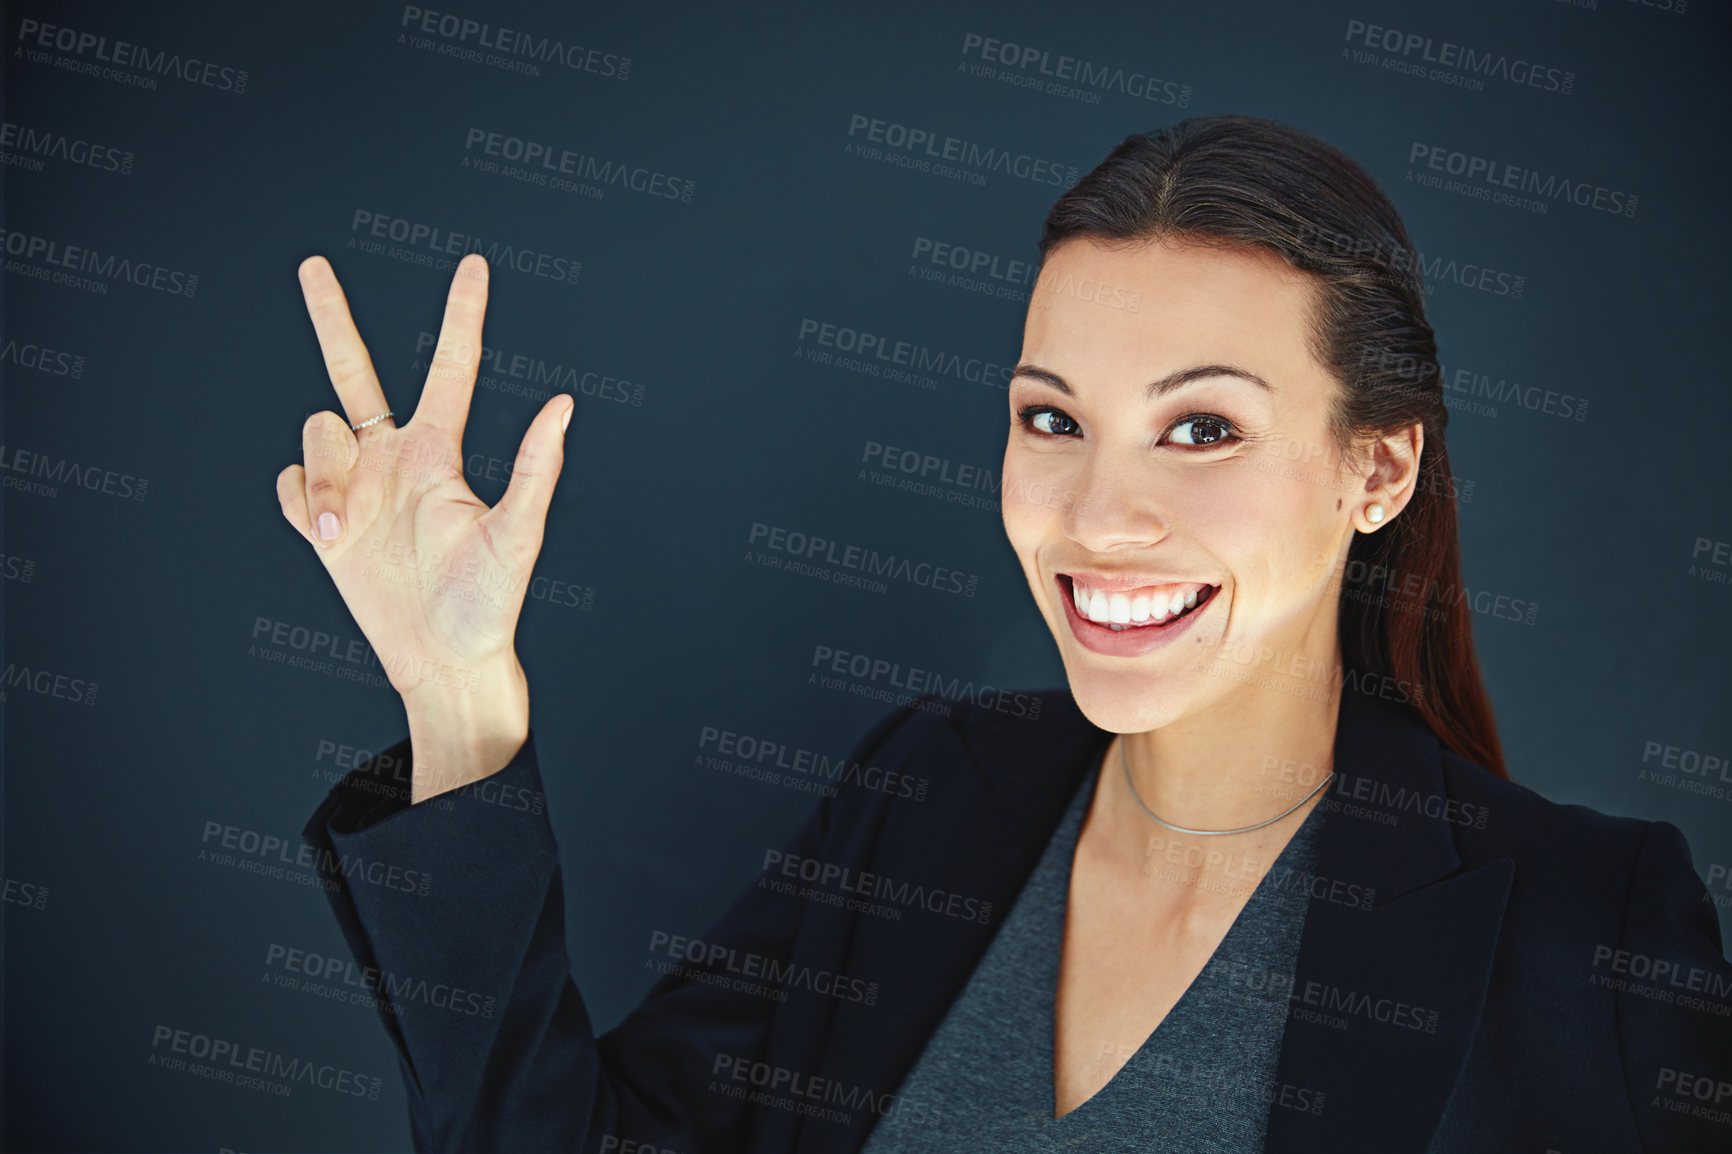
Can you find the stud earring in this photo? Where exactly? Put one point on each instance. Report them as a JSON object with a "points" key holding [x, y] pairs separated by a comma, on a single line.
{"points": [[1374, 513]]}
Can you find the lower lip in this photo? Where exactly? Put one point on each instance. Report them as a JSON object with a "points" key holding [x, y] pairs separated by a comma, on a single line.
{"points": [[1130, 642]]}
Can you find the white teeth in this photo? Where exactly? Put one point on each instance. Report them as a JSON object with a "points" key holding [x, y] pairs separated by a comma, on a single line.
{"points": [[1121, 610]]}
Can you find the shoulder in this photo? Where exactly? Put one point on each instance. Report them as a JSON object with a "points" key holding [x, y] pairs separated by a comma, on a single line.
{"points": [[1614, 887], [1608, 915], [939, 756], [1514, 820], [1572, 843]]}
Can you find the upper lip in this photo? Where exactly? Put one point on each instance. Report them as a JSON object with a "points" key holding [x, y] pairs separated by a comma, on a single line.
{"points": [[1124, 582]]}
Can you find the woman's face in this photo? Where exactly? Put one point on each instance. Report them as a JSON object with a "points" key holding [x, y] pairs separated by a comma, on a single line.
{"points": [[1139, 468]]}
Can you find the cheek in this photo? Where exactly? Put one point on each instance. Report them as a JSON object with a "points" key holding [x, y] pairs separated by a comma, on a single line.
{"points": [[1259, 519], [1033, 492]]}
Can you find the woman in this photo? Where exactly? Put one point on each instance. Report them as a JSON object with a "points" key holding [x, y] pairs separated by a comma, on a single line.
{"points": [[1256, 880]]}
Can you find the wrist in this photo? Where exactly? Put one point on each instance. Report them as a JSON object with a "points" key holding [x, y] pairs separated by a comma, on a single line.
{"points": [[459, 734]]}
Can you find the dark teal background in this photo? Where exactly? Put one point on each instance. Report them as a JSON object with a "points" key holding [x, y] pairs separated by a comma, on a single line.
{"points": [[700, 303]]}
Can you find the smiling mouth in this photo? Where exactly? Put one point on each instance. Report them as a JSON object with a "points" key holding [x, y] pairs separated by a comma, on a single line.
{"points": [[1140, 609]]}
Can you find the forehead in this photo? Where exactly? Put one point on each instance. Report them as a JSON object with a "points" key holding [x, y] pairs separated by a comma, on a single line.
{"points": [[1163, 305]]}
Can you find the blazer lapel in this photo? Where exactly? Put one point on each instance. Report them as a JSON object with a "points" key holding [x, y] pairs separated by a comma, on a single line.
{"points": [[971, 844], [1396, 952]]}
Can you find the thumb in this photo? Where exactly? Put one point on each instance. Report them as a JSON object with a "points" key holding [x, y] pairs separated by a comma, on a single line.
{"points": [[521, 514]]}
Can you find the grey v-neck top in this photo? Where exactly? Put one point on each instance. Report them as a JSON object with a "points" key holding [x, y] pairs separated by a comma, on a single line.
{"points": [[1200, 1082]]}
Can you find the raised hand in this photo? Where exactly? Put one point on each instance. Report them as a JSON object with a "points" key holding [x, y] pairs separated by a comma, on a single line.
{"points": [[434, 577]]}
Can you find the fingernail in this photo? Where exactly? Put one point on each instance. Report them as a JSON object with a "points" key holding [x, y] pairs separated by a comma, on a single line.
{"points": [[328, 527], [565, 421]]}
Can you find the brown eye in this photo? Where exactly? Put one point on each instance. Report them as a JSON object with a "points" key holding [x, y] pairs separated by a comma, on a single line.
{"points": [[1047, 421], [1202, 430]]}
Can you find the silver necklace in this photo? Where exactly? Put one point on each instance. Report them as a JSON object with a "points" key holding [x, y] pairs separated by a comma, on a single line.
{"points": [[1212, 832]]}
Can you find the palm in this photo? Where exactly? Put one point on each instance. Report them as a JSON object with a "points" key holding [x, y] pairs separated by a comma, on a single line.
{"points": [[425, 583], [433, 576]]}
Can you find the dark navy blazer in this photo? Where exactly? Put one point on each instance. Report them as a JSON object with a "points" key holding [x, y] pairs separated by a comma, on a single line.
{"points": [[1481, 969]]}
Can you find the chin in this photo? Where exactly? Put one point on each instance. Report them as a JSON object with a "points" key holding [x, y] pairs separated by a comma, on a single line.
{"points": [[1124, 702]]}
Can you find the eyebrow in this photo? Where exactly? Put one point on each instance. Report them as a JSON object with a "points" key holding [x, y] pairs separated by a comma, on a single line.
{"points": [[1153, 389]]}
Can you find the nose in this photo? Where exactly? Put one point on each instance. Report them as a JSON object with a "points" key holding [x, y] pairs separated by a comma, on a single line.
{"points": [[1116, 505]]}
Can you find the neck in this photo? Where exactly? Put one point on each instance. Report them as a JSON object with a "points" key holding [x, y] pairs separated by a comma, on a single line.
{"points": [[1241, 760], [1236, 761]]}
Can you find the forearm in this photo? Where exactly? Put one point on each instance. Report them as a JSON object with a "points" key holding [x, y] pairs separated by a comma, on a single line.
{"points": [[456, 915], [460, 736]]}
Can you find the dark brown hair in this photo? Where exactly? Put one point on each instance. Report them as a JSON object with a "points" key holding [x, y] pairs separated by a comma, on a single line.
{"points": [[1244, 180]]}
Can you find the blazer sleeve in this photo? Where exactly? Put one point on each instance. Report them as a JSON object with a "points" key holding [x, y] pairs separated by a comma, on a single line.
{"points": [[454, 908], [1674, 1002]]}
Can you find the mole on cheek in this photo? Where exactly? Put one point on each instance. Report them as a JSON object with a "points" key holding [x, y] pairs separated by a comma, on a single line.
{"points": [[1338, 502]]}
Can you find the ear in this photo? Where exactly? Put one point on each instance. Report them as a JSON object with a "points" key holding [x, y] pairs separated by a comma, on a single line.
{"points": [[1391, 471]]}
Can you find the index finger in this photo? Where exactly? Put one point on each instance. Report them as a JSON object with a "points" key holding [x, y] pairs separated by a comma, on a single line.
{"points": [[346, 359]]}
